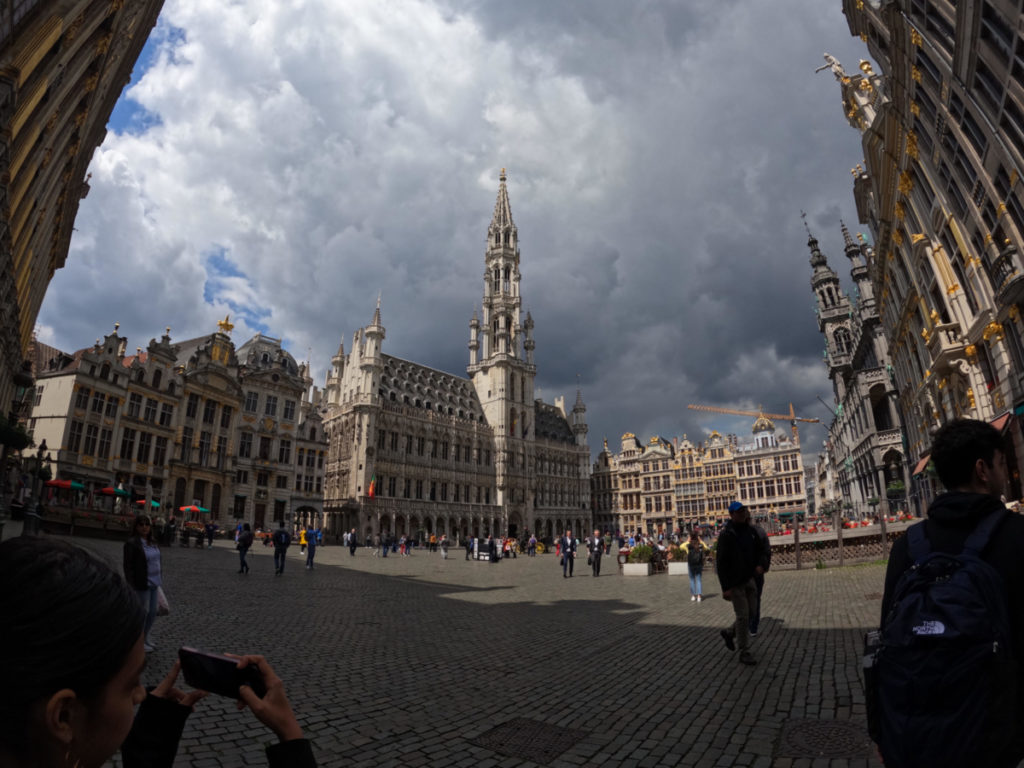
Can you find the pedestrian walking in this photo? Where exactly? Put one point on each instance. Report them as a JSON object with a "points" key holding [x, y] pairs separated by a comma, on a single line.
{"points": [[739, 558], [143, 571], [353, 542], [211, 528], [245, 539], [695, 550], [567, 546], [311, 545], [377, 545], [469, 547], [444, 546], [531, 546], [766, 563], [595, 546], [281, 540]]}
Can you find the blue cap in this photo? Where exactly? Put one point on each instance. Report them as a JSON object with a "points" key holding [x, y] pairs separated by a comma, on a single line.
{"points": [[736, 506]]}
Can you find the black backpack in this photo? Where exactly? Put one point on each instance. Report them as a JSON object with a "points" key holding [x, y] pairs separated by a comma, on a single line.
{"points": [[695, 556], [940, 677]]}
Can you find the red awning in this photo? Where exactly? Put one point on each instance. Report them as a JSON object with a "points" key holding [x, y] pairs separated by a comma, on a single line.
{"points": [[1000, 422], [919, 467]]}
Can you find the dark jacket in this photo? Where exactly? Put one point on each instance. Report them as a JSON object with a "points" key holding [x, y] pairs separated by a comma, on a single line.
{"points": [[951, 518], [569, 546], [245, 539], [136, 573], [153, 739], [739, 552], [596, 546], [766, 547]]}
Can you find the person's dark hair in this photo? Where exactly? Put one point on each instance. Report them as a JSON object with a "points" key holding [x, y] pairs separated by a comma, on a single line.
{"points": [[958, 445], [245, 527], [70, 621], [135, 527]]}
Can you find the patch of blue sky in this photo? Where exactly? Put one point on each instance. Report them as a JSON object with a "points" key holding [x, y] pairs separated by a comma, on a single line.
{"points": [[128, 116], [226, 284]]}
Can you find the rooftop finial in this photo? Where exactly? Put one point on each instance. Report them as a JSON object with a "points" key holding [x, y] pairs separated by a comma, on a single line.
{"points": [[803, 215], [502, 177], [225, 324]]}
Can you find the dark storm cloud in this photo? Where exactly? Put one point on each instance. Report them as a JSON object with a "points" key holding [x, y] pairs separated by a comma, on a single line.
{"points": [[659, 155]]}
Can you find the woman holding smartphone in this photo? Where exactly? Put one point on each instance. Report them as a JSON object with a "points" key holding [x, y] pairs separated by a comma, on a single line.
{"points": [[142, 570], [72, 658]]}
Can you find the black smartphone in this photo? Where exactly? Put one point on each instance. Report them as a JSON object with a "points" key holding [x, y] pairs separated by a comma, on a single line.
{"points": [[218, 674]]}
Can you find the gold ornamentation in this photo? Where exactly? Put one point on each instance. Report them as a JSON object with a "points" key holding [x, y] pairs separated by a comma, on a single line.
{"points": [[1001, 210], [1014, 176], [116, 5], [103, 44], [865, 84], [993, 329], [860, 5], [970, 398], [225, 325], [91, 82], [915, 37], [863, 37], [72, 31], [906, 183], [897, 237], [917, 237], [897, 211], [915, 109], [989, 238], [912, 144], [915, 74], [997, 399], [945, 91], [942, 384], [1013, 312], [952, 289]]}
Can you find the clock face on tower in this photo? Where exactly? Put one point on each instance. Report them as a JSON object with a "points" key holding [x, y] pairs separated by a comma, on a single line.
{"points": [[767, 467]]}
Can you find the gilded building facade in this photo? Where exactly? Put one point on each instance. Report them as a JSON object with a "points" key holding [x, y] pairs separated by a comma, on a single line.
{"points": [[456, 455], [865, 439], [63, 64], [189, 422], [670, 486], [942, 129]]}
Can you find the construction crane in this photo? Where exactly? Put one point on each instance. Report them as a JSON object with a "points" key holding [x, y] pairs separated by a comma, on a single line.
{"points": [[791, 416]]}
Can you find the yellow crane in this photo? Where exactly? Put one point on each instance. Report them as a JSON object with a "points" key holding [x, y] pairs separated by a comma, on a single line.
{"points": [[791, 416]]}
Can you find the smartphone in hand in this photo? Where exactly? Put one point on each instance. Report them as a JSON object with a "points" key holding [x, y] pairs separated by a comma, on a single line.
{"points": [[218, 674]]}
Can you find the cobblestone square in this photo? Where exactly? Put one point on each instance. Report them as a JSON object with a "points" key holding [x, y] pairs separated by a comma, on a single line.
{"points": [[415, 660]]}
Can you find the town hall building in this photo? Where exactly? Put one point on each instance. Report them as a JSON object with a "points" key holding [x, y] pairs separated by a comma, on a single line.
{"points": [[418, 451]]}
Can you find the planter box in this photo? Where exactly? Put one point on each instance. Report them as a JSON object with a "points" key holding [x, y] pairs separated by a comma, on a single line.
{"points": [[678, 569], [636, 569]]}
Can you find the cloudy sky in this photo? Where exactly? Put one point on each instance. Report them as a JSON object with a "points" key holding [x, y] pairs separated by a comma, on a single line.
{"points": [[285, 162]]}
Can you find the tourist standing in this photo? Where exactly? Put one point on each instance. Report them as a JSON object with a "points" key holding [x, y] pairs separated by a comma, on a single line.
{"points": [[142, 571], [444, 546], [244, 542], [311, 545], [695, 550], [353, 542], [281, 539]]}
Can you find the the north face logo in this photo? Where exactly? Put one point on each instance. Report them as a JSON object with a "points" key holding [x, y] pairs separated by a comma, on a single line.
{"points": [[930, 628]]}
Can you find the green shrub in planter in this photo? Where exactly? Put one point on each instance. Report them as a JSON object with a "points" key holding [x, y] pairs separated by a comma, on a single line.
{"points": [[676, 555], [641, 554]]}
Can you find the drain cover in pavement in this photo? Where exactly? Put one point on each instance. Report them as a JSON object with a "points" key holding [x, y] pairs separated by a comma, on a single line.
{"points": [[823, 738], [529, 740]]}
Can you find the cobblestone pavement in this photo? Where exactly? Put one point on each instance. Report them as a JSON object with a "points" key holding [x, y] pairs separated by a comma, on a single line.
{"points": [[414, 661]]}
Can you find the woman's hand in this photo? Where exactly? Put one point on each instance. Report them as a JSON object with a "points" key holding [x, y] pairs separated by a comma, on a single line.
{"points": [[166, 689], [273, 710]]}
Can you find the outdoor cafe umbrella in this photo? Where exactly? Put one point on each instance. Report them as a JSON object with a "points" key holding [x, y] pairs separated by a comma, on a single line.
{"points": [[111, 491], [72, 485], [152, 503], [193, 508]]}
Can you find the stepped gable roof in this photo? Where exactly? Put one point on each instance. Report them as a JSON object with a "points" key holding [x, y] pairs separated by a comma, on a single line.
{"points": [[446, 392], [551, 424]]}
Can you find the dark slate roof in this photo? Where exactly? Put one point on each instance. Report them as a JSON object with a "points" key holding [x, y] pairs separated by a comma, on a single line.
{"points": [[551, 424], [430, 385]]}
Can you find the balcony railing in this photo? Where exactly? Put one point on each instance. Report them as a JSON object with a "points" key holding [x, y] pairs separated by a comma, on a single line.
{"points": [[1007, 276], [946, 345]]}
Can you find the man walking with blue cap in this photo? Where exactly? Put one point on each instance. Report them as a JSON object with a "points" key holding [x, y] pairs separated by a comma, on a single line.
{"points": [[739, 558]]}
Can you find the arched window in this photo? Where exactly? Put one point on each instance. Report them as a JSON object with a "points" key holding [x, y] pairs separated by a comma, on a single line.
{"points": [[157, 376], [140, 376], [105, 371], [842, 341]]}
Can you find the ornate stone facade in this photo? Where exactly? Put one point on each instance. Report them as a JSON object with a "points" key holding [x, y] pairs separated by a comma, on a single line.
{"points": [[63, 64], [447, 454], [942, 131]]}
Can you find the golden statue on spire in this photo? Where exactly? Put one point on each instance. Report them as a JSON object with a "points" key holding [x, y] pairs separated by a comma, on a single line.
{"points": [[225, 326]]}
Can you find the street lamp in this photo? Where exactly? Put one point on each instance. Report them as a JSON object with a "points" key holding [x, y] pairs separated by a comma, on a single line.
{"points": [[34, 518]]}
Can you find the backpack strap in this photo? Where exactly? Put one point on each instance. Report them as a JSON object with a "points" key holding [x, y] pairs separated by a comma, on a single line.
{"points": [[917, 543], [983, 531]]}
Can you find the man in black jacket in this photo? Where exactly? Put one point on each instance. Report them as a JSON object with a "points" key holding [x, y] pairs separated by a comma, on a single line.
{"points": [[568, 553], [970, 461], [739, 557]]}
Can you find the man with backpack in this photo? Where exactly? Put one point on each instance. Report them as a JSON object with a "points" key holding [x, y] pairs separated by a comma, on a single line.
{"points": [[739, 559], [281, 540], [943, 674]]}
